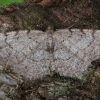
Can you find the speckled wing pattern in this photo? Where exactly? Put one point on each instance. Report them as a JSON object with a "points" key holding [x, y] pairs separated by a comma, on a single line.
{"points": [[75, 49], [35, 54], [25, 52]]}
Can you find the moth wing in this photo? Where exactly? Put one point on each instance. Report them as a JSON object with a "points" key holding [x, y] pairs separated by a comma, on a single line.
{"points": [[25, 52], [74, 50]]}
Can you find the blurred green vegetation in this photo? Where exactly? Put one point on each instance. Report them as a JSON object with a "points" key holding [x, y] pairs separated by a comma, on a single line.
{"points": [[7, 2]]}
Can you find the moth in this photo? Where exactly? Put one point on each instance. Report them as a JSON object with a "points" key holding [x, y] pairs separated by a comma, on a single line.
{"points": [[34, 54]]}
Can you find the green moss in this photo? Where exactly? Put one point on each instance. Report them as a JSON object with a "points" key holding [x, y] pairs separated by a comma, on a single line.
{"points": [[7, 2]]}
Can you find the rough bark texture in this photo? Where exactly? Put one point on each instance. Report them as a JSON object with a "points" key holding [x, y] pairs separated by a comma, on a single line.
{"points": [[50, 51], [35, 54]]}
